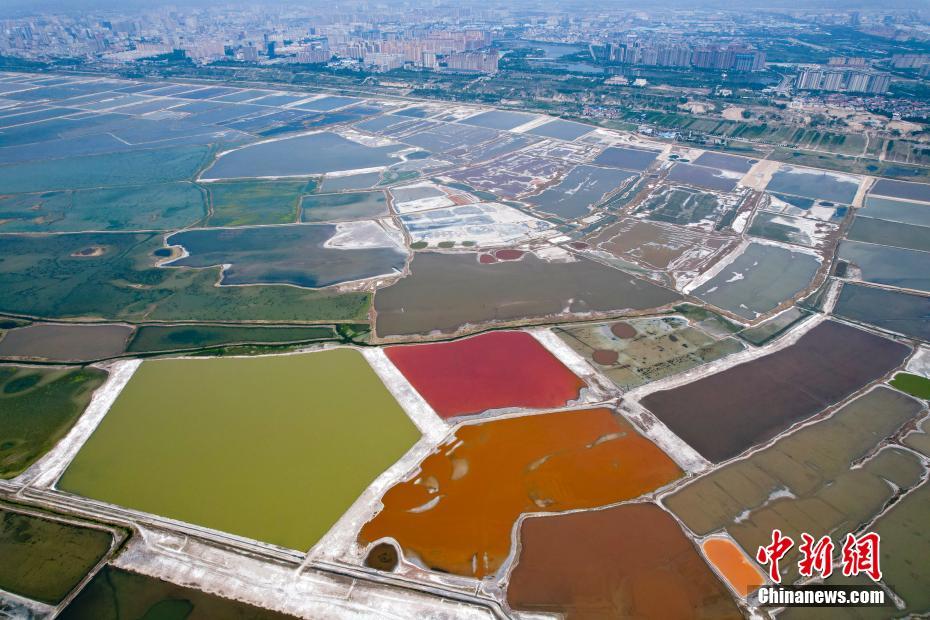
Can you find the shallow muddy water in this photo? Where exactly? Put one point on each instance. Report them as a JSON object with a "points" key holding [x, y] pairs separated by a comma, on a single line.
{"points": [[447, 291]]}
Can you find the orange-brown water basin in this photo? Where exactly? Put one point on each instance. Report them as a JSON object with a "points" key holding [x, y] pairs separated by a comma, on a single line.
{"points": [[730, 561], [630, 561], [456, 513]]}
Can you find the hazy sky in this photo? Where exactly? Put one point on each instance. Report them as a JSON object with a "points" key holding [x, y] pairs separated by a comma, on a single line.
{"points": [[9, 7]]}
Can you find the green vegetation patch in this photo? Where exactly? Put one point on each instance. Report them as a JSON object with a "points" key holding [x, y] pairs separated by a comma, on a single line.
{"points": [[151, 207], [114, 276], [151, 338], [272, 448], [915, 385], [115, 594], [38, 406], [43, 559], [246, 203], [111, 170]]}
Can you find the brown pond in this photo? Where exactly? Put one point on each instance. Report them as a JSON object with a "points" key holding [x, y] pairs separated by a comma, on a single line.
{"points": [[630, 561], [65, 342], [605, 357], [382, 556], [456, 512], [622, 330], [726, 413], [447, 291]]}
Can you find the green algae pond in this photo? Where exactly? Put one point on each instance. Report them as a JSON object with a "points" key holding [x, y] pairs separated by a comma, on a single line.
{"points": [[271, 448], [38, 406], [113, 275], [915, 385], [153, 338], [248, 203], [116, 594], [45, 559]]}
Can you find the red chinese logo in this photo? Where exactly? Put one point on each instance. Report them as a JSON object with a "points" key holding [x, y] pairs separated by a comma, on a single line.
{"points": [[859, 555], [816, 557], [771, 554]]}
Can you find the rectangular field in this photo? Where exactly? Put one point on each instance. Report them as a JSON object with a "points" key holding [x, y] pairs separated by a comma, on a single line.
{"points": [[814, 184], [710, 178], [637, 351], [895, 311], [116, 594], [893, 234], [727, 162], [150, 338], [726, 413], [902, 189], [45, 559], [628, 159], [897, 210], [882, 264], [588, 565], [65, 342]]}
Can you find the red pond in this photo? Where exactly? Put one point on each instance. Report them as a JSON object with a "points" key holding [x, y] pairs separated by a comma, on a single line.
{"points": [[509, 254], [492, 371]]}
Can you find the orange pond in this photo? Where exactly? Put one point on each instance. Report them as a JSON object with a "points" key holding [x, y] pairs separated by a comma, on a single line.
{"points": [[732, 563], [456, 513]]}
